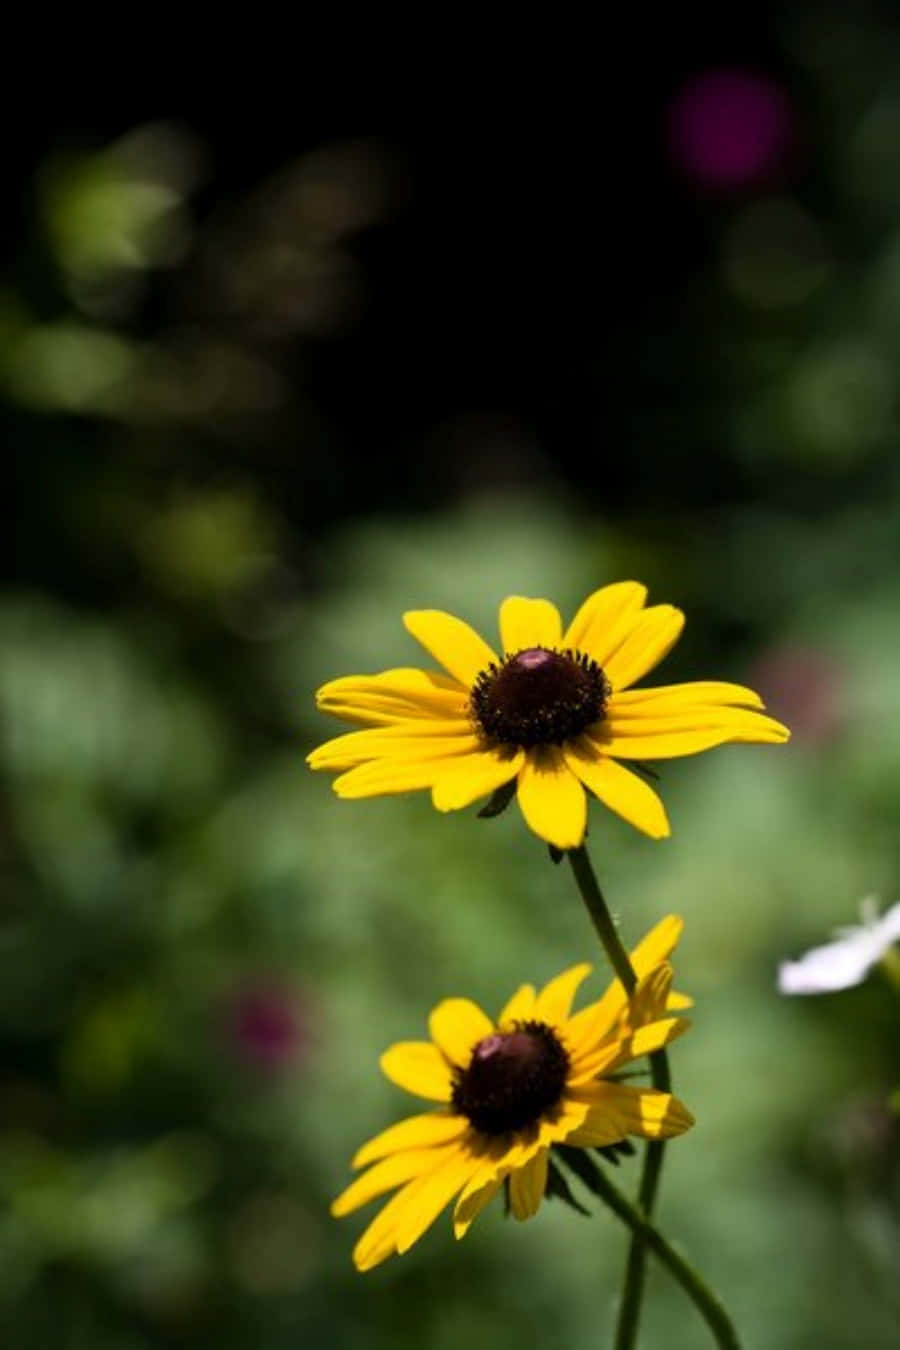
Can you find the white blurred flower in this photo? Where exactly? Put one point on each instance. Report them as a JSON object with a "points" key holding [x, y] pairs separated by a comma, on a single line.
{"points": [[848, 959]]}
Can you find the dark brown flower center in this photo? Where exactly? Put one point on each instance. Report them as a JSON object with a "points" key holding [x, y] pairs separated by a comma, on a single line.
{"points": [[513, 1078], [539, 697]]}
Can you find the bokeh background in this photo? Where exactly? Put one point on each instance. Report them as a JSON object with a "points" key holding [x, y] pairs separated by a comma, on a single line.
{"points": [[411, 333]]}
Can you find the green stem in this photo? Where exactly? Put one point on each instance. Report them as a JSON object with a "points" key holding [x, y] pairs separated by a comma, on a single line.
{"points": [[635, 1268], [699, 1292], [601, 918]]}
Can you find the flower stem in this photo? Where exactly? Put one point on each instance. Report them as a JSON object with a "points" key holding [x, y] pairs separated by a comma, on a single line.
{"points": [[699, 1292], [601, 918], [635, 1268]]}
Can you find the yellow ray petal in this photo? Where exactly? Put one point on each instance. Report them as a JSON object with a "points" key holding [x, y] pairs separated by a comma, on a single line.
{"points": [[419, 1067], [632, 1110], [468, 1209], [616, 787], [379, 1241], [450, 641], [386, 1175], [456, 1026], [393, 695], [554, 1002], [528, 623], [598, 1131], [566, 1117], [406, 740], [593, 1064], [551, 798], [497, 1158], [475, 775], [666, 698], [603, 614], [649, 998], [416, 1132], [520, 1008], [432, 1193], [590, 1031], [740, 723], [657, 945], [407, 1214], [629, 739], [645, 1039], [483, 1184], [385, 777], [651, 638], [591, 1027], [527, 1186]]}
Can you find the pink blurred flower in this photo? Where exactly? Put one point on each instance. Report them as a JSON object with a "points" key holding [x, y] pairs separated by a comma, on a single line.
{"points": [[266, 1026], [730, 128], [802, 687]]}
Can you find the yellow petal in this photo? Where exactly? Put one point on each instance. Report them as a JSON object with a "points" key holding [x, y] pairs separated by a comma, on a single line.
{"points": [[432, 1194], [486, 1179], [527, 1186], [407, 1214], [617, 788], [393, 695], [406, 740], [470, 1205], [416, 1132], [386, 1175], [379, 1241], [676, 1001], [588, 1030], [592, 1026], [598, 1131], [520, 1008], [666, 698], [567, 1115], [645, 720], [649, 997], [528, 623], [590, 1065], [645, 1039], [651, 638], [630, 1110], [601, 617], [386, 777], [554, 1002], [657, 945], [456, 1026], [419, 1067], [472, 776], [670, 738], [450, 641], [551, 798]]}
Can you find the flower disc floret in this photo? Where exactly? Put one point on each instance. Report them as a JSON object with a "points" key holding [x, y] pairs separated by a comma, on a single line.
{"points": [[539, 697], [512, 1079]]}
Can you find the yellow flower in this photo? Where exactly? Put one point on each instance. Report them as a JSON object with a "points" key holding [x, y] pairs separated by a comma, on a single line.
{"points": [[512, 1089], [551, 717]]}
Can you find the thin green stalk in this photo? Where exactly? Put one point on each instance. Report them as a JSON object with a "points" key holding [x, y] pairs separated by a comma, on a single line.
{"points": [[696, 1288], [601, 918], [635, 1267]]}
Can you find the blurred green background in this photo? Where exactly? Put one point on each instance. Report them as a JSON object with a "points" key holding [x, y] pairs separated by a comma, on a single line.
{"points": [[271, 379]]}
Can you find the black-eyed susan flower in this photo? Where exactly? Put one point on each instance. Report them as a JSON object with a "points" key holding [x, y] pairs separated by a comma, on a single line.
{"points": [[509, 1091], [550, 718]]}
